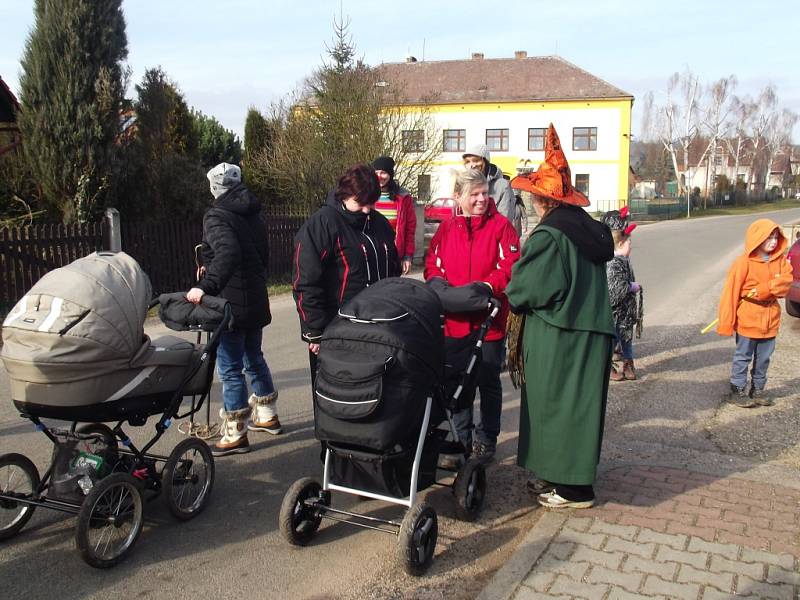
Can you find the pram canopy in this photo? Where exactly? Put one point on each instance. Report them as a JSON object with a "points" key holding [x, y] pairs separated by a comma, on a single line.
{"points": [[76, 339], [378, 362], [80, 321]]}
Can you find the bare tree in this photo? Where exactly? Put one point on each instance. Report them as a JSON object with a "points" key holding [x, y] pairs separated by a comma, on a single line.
{"points": [[690, 98], [737, 139], [715, 123], [344, 114], [760, 122], [778, 138], [665, 125]]}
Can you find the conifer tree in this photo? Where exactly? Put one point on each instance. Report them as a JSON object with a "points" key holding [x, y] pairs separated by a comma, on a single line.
{"points": [[71, 90]]}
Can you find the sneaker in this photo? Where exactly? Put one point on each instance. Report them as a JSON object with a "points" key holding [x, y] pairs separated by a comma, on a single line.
{"points": [[450, 462], [738, 396], [616, 374], [483, 452], [539, 486], [551, 499], [760, 397]]}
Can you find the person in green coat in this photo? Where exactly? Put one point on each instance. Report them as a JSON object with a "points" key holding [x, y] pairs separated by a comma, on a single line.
{"points": [[559, 286]]}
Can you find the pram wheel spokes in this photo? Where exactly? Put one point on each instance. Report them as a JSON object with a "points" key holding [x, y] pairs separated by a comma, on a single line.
{"points": [[187, 478], [417, 538], [18, 477], [470, 490], [110, 520], [299, 518]]}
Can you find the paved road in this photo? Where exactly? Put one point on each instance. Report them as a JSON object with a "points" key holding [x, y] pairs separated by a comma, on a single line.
{"points": [[234, 549]]}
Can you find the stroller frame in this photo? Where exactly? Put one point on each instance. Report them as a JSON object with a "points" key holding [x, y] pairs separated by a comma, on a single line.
{"points": [[134, 471], [306, 503]]}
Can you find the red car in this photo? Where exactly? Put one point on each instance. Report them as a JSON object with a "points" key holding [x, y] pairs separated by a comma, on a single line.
{"points": [[440, 210], [793, 297]]}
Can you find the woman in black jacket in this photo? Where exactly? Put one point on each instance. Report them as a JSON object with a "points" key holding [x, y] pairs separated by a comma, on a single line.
{"points": [[235, 256], [342, 248]]}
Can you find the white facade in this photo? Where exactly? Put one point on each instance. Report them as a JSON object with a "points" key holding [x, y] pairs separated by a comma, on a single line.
{"points": [[602, 165]]}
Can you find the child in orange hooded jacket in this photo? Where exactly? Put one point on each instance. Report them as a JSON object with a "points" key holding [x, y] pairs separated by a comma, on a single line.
{"points": [[749, 307]]}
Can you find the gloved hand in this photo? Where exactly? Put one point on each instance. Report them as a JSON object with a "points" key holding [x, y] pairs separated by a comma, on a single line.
{"points": [[635, 287]]}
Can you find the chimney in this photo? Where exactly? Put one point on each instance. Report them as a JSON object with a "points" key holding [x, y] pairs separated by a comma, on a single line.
{"points": [[521, 54], [411, 59], [477, 56]]}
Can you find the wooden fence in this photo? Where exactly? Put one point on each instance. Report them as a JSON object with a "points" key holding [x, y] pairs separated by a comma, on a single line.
{"points": [[165, 251]]}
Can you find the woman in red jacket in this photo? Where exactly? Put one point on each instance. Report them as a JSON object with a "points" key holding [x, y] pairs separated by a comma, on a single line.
{"points": [[397, 205], [478, 244]]}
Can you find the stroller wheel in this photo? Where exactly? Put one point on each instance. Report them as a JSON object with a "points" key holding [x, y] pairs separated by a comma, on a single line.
{"points": [[187, 478], [470, 490], [18, 477], [110, 520], [417, 538], [299, 521]]}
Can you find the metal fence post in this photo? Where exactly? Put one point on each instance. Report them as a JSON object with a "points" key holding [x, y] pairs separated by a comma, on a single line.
{"points": [[112, 236]]}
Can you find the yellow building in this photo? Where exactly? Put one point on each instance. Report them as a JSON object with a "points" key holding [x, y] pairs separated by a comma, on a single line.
{"points": [[508, 104]]}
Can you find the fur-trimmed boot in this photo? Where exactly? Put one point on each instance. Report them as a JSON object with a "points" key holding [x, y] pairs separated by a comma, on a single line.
{"points": [[265, 414], [628, 370], [234, 432]]}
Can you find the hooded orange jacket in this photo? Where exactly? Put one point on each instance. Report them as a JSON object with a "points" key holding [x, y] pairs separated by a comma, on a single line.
{"points": [[751, 277]]}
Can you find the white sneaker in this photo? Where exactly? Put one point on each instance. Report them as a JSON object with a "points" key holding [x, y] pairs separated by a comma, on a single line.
{"points": [[552, 500]]}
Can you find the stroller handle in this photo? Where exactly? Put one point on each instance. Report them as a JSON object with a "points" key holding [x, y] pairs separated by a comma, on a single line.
{"points": [[212, 313]]}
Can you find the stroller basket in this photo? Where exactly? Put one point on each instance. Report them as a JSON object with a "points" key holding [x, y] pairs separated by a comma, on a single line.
{"points": [[387, 474]]}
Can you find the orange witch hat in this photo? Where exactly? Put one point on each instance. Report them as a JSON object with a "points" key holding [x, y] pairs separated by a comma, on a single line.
{"points": [[553, 178]]}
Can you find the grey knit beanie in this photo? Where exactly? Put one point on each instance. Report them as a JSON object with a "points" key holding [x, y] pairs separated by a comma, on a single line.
{"points": [[481, 150], [223, 177]]}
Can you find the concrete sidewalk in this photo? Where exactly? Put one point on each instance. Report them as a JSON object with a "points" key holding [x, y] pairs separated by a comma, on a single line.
{"points": [[662, 532]]}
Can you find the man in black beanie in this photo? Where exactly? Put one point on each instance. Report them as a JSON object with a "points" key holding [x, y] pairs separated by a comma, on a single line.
{"points": [[397, 205]]}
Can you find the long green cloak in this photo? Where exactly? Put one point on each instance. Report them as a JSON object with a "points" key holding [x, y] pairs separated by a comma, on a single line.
{"points": [[567, 345]]}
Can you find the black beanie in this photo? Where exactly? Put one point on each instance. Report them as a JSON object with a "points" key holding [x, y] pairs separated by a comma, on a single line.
{"points": [[384, 163]]}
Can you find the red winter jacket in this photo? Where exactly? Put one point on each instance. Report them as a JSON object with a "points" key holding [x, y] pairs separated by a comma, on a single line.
{"points": [[404, 223], [464, 250]]}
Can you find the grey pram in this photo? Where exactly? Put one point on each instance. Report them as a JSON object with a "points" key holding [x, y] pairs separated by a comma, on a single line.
{"points": [[75, 350]]}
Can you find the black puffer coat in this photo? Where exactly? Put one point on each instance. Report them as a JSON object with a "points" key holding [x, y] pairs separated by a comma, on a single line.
{"points": [[235, 255], [337, 254]]}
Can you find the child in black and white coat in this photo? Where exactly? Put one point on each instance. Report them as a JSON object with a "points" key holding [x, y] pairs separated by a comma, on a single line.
{"points": [[624, 293]]}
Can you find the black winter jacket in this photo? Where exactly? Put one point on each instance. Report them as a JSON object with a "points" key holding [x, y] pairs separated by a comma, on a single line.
{"points": [[337, 254], [235, 254]]}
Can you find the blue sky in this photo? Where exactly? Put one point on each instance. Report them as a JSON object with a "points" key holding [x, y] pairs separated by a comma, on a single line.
{"points": [[228, 55]]}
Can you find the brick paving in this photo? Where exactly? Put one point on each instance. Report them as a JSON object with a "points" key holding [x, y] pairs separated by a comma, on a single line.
{"points": [[670, 533]]}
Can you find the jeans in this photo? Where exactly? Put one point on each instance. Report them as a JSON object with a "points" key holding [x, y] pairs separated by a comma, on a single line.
{"points": [[759, 352], [491, 394], [241, 351], [625, 348]]}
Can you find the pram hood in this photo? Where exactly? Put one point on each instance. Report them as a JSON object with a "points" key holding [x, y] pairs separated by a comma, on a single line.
{"points": [[80, 321], [395, 312]]}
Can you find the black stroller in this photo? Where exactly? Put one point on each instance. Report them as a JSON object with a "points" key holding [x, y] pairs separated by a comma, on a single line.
{"points": [[381, 392], [75, 351]]}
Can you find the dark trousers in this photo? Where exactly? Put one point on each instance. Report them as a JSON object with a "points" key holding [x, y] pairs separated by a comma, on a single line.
{"points": [[491, 400]]}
